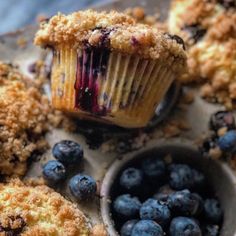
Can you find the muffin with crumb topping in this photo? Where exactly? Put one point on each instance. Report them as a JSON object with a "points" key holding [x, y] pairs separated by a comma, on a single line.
{"points": [[23, 120], [39, 210], [109, 68], [209, 28]]}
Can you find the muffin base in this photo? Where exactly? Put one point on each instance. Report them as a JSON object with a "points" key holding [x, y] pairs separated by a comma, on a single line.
{"points": [[109, 87]]}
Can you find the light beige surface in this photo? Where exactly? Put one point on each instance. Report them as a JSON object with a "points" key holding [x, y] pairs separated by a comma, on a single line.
{"points": [[96, 161]]}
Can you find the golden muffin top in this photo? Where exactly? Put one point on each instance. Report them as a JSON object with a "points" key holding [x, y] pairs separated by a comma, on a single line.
{"points": [[38, 211], [116, 31]]}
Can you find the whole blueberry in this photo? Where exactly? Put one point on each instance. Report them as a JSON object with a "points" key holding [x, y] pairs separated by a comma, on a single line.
{"points": [[131, 179], [212, 211], [154, 167], [155, 210], [54, 171], [68, 152], [83, 187], [222, 119], [184, 203], [127, 206], [180, 176], [147, 228], [211, 230], [184, 177], [184, 226], [227, 143], [127, 228]]}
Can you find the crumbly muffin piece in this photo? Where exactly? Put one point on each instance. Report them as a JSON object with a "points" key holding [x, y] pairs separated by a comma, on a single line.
{"points": [[23, 120], [209, 28], [114, 30], [139, 14], [38, 211]]}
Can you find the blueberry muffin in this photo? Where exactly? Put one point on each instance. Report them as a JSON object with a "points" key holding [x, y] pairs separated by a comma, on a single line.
{"points": [[109, 68], [209, 28], [23, 120], [38, 211]]}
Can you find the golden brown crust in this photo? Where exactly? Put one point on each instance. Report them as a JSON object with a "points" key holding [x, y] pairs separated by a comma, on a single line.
{"points": [[23, 116], [38, 211], [122, 32], [211, 58]]}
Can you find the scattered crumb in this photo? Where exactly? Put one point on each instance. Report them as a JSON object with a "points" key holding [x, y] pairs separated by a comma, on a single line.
{"points": [[139, 14], [171, 131], [34, 181], [206, 91], [222, 131], [232, 162], [21, 42], [215, 153], [168, 159], [187, 97], [99, 230], [41, 17]]}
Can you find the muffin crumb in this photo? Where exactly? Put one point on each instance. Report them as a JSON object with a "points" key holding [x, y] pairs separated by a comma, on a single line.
{"points": [[99, 230]]}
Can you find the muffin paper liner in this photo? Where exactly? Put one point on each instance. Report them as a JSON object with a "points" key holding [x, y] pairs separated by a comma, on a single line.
{"points": [[98, 84]]}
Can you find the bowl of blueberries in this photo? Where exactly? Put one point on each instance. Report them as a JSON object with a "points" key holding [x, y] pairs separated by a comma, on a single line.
{"points": [[169, 189]]}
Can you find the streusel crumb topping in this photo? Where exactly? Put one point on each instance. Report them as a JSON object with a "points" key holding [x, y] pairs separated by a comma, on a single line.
{"points": [[23, 120], [38, 211], [209, 28], [114, 30]]}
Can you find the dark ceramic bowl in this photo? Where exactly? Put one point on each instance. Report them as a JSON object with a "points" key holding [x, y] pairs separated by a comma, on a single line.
{"points": [[220, 177]]}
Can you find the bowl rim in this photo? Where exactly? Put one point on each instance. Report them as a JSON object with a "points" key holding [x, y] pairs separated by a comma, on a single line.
{"points": [[116, 166]]}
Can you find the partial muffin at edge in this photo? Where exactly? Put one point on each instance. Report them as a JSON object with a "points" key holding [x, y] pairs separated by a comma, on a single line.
{"points": [[209, 28], [23, 120], [38, 211]]}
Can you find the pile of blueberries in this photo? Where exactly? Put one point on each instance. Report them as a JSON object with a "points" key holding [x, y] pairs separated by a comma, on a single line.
{"points": [[221, 120], [154, 198], [68, 154]]}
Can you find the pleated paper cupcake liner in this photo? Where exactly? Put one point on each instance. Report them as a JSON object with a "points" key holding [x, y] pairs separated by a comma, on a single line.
{"points": [[108, 86]]}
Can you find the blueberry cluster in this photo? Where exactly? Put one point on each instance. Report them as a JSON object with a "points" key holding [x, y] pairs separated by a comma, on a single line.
{"points": [[68, 153], [223, 137], [154, 198]]}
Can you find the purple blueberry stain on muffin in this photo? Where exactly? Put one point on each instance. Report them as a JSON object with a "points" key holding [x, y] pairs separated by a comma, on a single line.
{"points": [[90, 66], [134, 41]]}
